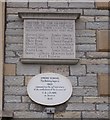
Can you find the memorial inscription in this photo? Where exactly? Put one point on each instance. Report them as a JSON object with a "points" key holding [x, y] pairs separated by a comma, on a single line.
{"points": [[49, 89], [49, 39]]}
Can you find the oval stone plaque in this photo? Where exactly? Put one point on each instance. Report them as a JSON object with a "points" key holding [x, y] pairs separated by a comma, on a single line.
{"points": [[49, 89]]}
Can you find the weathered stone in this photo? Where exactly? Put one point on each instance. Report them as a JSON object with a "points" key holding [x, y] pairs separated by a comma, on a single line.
{"points": [[68, 115], [95, 114], [104, 107], [102, 5], [14, 80], [96, 99], [27, 69], [103, 84], [85, 91], [61, 69], [73, 80], [9, 69], [81, 106], [89, 80], [103, 40], [77, 70], [12, 99]]}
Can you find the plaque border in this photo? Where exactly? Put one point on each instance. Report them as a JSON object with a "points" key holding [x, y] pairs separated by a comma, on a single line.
{"points": [[51, 16]]}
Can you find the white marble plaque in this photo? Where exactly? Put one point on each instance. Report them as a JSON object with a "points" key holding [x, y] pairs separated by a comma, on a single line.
{"points": [[49, 39], [49, 89]]}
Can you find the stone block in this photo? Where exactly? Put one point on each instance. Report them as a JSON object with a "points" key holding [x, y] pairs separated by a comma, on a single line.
{"points": [[11, 60], [102, 18], [26, 99], [103, 84], [17, 4], [81, 106], [14, 39], [77, 70], [14, 47], [97, 69], [90, 80], [85, 33], [75, 99], [102, 5], [12, 99], [36, 107], [14, 25], [75, 4], [16, 106], [64, 115], [27, 69], [85, 91], [15, 90], [97, 25], [9, 69], [94, 61], [14, 80], [102, 107], [13, 18], [33, 4], [96, 55], [86, 47], [85, 40], [95, 114], [73, 80], [96, 100], [10, 54], [61, 69], [14, 32], [57, 4], [103, 40], [30, 114], [27, 78], [70, 10], [95, 12]]}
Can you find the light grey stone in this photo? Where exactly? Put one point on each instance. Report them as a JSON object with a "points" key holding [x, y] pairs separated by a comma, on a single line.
{"points": [[14, 47], [27, 69], [11, 59], [14, 32], [26, 99], [96, 12], [86, 47], [95, 114], [75, 4], [80, 54], [9, 54], [75, 99], [73, 80], [96, 55], [15, 90], [16, 106], [12, 99], [85, 91], [70, 10], [37, 4], [77, 70], [97, 69], [81, 106], [14, 25], [85, 33], [14, 39], [36, 107], [97, 25], [103, 107], [30, 114], [14, 80], [57, 4], [85, 40], [17, 4], [89, 80], [80, 25], [13, 18]]}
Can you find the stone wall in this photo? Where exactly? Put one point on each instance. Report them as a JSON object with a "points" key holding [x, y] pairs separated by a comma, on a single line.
{"points": [[86, 101]]}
